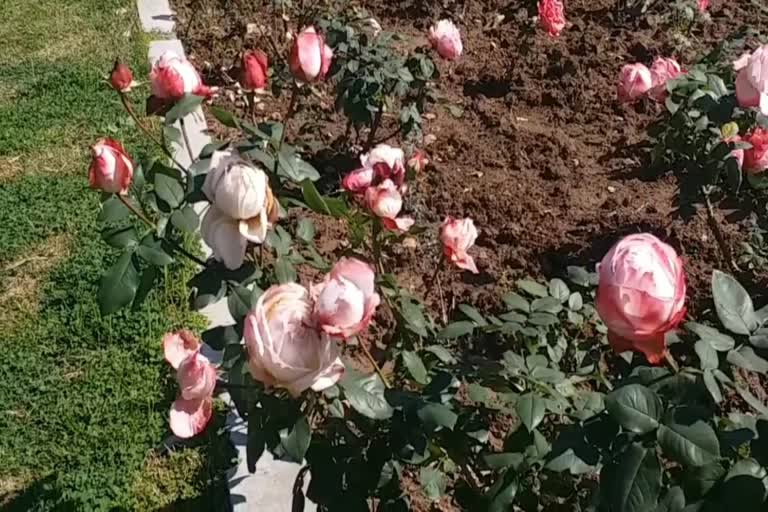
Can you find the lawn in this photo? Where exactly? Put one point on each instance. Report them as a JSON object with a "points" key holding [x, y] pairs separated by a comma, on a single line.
{"points": [[84, 398]]}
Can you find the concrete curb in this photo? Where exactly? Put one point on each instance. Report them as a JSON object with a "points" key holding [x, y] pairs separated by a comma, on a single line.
{"points": [[270, 488]]}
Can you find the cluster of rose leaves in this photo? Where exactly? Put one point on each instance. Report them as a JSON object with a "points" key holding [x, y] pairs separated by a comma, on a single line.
{"points": [[293, 333]]}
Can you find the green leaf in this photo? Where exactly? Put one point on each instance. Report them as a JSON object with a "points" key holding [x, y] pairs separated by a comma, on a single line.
{"points": [[186, 219], [312, 197], [435, 416], [152, 251], [712, 386], [295, 443], [547, 305], [633, 482], [183, 107], [441, 353], [257, 439], [415, 366], [575, 301], [239, 301], [717, 340], [674, 501], [219, 337], [578, 276], [543, 319], [532, 287], [733, 304], [433, 481], [699, 480], [168, 185], [691, 445], [224, 116], [113, 210], [306, 230], [568, 460], [456, 330], [503, 460], [531, 408], [745, 357], [717, 85], [120, 237], [366, 395], [635, 407], [414, 317], [118, 285], [559, 290], [473, 314], [284, 271], [502, 494], [147, 281], [707, 355], [515, 301]]}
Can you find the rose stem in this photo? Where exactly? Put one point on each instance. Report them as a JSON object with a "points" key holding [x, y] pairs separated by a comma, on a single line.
{"points": [[433, 279], [715, 227], [186, 140], [374, 363]]}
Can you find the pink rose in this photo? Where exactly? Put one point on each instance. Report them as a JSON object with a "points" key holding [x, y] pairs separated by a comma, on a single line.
{"points": [[255, 69], [196, 377], [445, 38], [190, 417], [346, 301], [285, 348], [179, 345], [458, 235], [703, 5], [663, 70], [383, 162], [752, 79], [310, 57], [386, 202], [641, 294], [111, 168], [634, 81], [121, 78], [756, 157], [172, 77], [552, 16]]}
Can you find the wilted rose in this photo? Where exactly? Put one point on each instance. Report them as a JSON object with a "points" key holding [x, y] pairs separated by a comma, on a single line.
{"points": [[418, 161], [552, 16], [663, 70], [641, 294], [310, 57], [383, 162], [458, 235], [346, 300], [179, 345], [386, 202], [756, 157], [446, 39], [111, 168], [196, 377], [190, 417], [255, 70], [173, 76], [121, 77], [285, 348], [635, 80], [752, 79]]}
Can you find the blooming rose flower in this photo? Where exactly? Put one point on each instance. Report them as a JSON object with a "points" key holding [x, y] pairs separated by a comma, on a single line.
{"points": [[641, 294], [381, 163], [285, 349], [111, 168], [196, 377], [386, 202], [446, 39], [121, 77], [346, 301], [179, 345], [756, 157], [255, 69], [173, 76], [752, 79], [634, 81], [310, 57], [458, 235], [190, 417], [552, 16], [243, 207], [662, 70]]}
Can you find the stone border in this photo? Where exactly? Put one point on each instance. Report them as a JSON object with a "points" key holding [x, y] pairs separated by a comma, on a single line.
{"points": [[270, 488]]}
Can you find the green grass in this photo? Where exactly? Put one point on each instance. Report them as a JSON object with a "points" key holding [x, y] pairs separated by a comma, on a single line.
{"points": [[84, 398]]}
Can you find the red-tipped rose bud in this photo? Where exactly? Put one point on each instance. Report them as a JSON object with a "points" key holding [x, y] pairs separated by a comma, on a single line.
{"points": [[255, 67], [310, 57], [121, 77], [111, 168]]}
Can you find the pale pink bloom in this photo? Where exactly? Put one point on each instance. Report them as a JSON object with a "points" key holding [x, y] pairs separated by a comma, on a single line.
{"points": [[179, 345], [346, 300], [255, 70], [552, 16], [196, 377], [383, 162], [358, 181], [635, 80], [386, 202], [222, 234], [121, 78], [703, 5], [641, 294], [458, 235], [446, 39], [752, 79], [663, 70], [190, 417], [173, 76], [111, 168], [756, 157], [285, 348], [310, 57]]}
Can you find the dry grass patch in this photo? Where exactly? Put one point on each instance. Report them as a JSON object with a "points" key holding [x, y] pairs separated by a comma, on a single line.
{"points": [[164, 480], [11, 486], [48, 161]]}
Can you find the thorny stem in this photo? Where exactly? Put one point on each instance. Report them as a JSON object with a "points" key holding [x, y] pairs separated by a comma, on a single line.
{"points": [[148, 132], [186, 140], [715, 227], [374, 363], [176, 247], [376, 244], [286, 120], [252, 103], [375, 126]]}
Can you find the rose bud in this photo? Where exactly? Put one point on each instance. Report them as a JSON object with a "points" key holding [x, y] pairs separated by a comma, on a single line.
{"points": [[254, 69], [111, 169], [641, 294], [418, 161], [752, 79], [121, 78], [756, 157], [346, 301], [190, 417], [552, 16], [445, 38], [172, 77], [634, 81], [458, 235], [196, 377], [310, 57], [662, 70], [285, 350], [179, 345], [386, 202]]}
